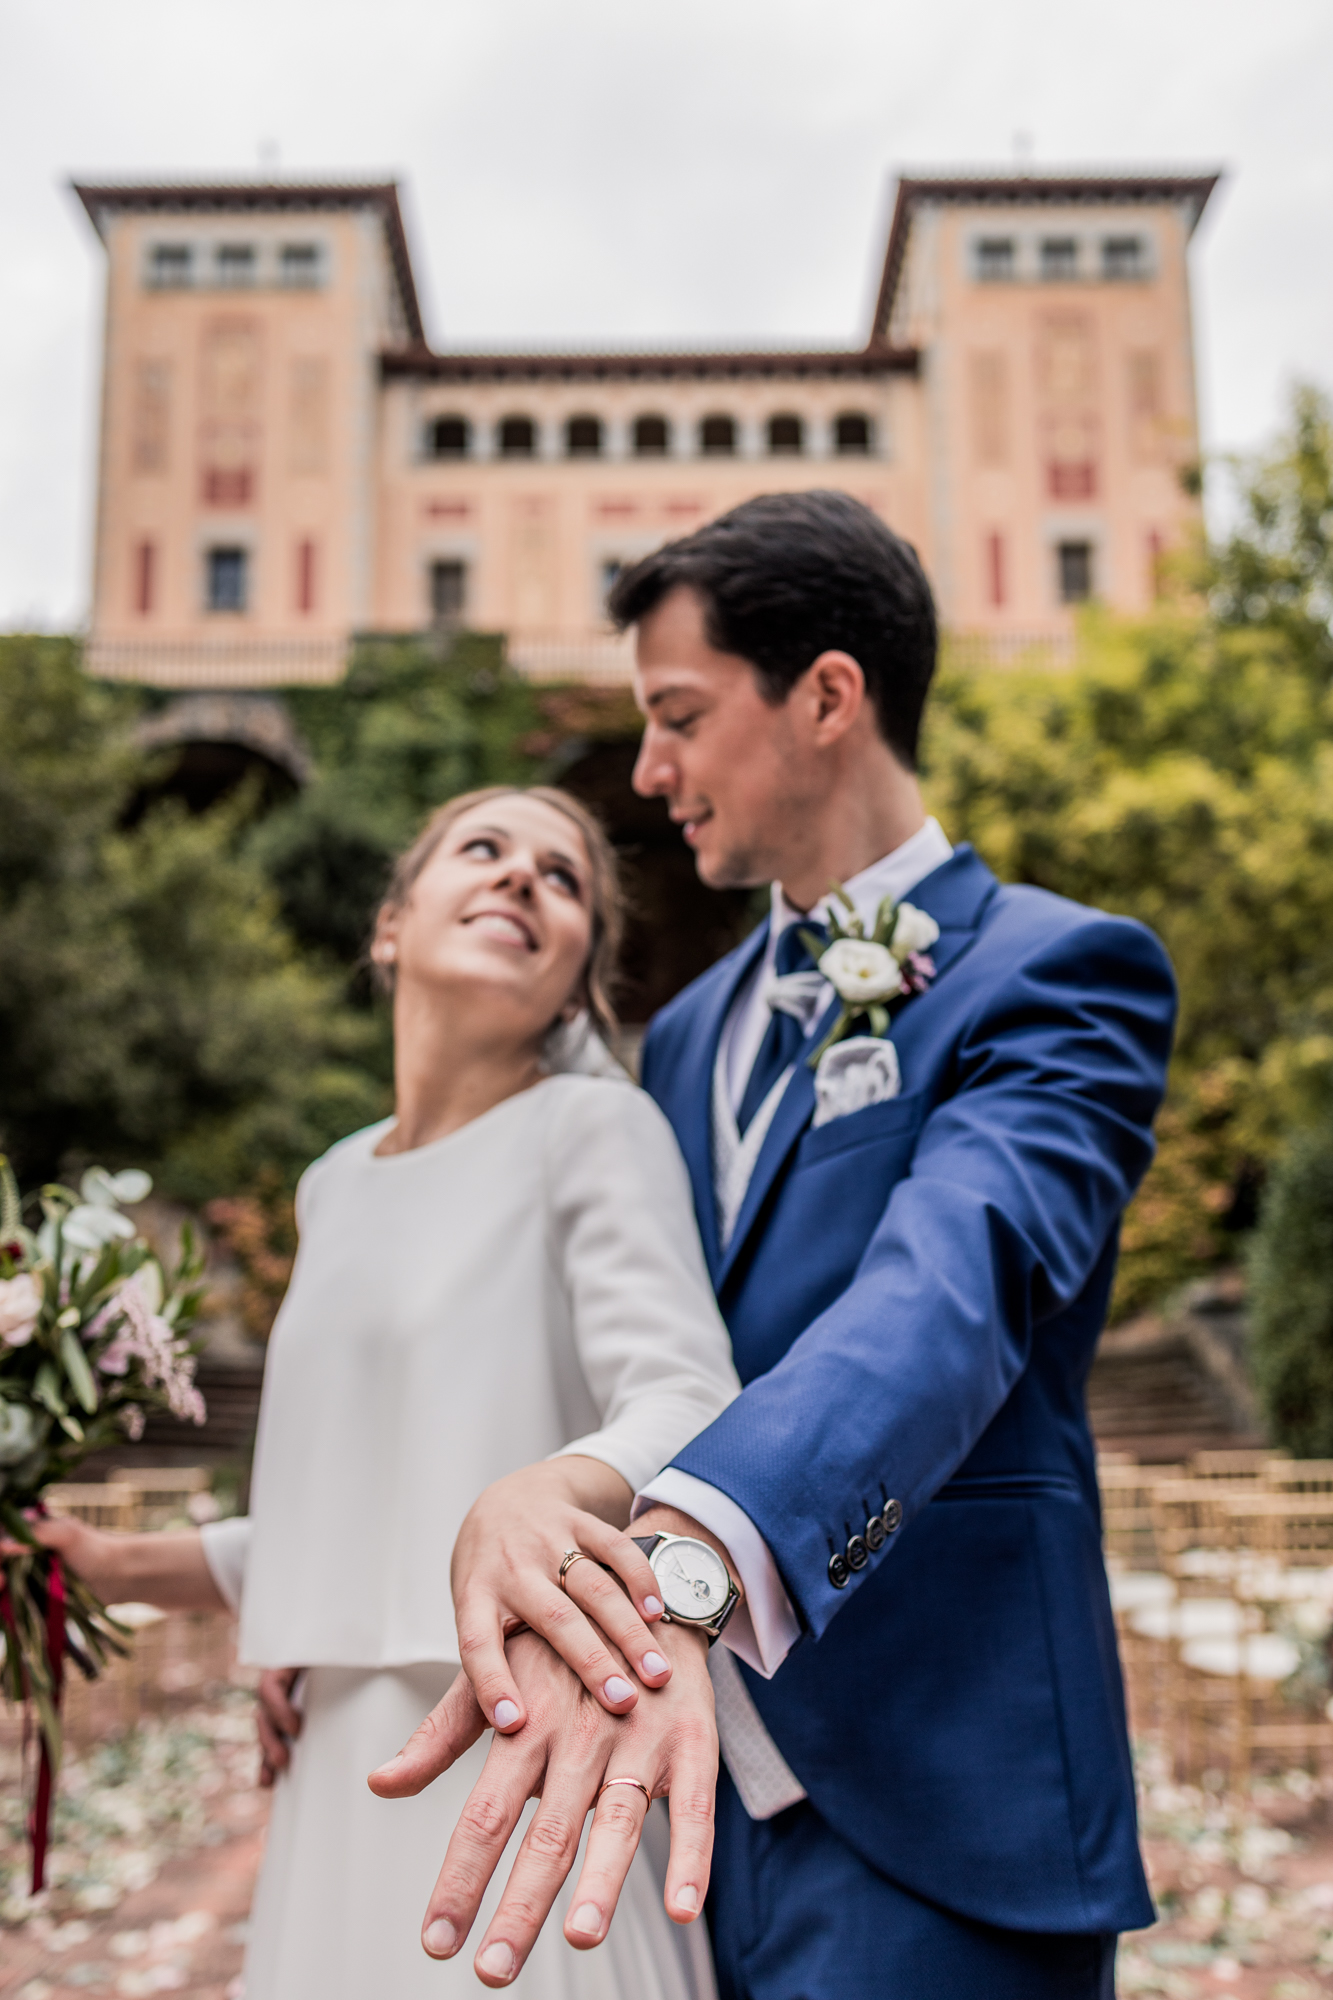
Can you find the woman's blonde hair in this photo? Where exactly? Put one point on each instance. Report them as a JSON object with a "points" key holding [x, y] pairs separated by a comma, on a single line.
{"points": [[606, 894]]}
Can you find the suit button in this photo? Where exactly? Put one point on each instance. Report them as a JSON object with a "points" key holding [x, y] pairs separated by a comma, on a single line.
{"points": [[858, 1555], [892, 1516], [838, 1573], [876, 1532]]}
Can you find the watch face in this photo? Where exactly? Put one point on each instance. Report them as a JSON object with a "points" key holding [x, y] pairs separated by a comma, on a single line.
{"points": [[694, 1580]]}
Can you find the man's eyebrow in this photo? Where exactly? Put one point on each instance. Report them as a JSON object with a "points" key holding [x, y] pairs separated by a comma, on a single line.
{"points": [[664, 694]]}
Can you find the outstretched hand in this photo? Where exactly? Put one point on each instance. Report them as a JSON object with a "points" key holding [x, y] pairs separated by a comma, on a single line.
{"points": [[566, 1750], [505, 1573]]}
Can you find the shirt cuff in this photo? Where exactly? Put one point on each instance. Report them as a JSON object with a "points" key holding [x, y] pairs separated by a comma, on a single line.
{"points": [[226, 1544], [763, 1629]]}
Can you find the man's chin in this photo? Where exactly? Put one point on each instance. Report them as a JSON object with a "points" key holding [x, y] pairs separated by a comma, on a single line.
{"points": [[718, 869]]}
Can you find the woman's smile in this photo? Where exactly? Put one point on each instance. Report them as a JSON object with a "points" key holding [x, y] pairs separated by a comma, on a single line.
{"points": [[505, 927]]}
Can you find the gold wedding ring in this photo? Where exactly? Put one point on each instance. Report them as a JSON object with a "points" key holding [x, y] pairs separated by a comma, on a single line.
{"points": [[572, 1556], [637, 1783]]}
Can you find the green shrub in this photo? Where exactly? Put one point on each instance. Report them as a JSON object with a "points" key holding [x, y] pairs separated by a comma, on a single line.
{"points": [[1291, 1296]]}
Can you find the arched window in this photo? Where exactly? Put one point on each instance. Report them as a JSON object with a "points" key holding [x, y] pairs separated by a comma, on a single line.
{"points": [[717, 437], [448, 437], [583, 437], [518, 437], [652, 437], [786, 434], [851, 432]]}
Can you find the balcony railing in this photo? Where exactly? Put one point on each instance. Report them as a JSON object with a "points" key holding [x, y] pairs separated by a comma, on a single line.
{"points": [[218, 663]]}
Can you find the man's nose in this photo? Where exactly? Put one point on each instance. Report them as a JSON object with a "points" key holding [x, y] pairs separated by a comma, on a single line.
{"points": [[653, 774]]}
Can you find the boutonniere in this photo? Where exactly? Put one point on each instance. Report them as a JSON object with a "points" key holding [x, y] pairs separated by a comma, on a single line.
{"points": [[854, 1069]]}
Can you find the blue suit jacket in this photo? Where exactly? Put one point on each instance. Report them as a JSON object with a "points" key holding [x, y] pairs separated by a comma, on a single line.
{"points": [[914, 1294]]}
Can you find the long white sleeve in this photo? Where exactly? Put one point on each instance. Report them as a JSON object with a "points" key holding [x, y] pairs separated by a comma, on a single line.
{"points": [[226, 1547], [650, 1341]]}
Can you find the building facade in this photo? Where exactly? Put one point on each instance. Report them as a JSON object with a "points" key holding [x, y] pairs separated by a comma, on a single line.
{"points": [[285, 461]]}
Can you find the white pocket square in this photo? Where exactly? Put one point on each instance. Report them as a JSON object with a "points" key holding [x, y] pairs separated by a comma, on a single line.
{"points": [[854, 1074]]}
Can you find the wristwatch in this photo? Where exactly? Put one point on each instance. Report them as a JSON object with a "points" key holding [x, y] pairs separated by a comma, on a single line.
{"points": [[694, 1582]]}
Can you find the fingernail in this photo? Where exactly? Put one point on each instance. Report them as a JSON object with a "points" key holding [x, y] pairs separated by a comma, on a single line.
{"points": [[687, 1898], [653, 1606], [506, 1715], [587, 1918], [392, 1764], [498, 1960], [440, 1938], [617, 1689], [653, 1663]]}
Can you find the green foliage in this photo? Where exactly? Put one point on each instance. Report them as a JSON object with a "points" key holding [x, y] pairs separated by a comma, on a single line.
{"points": [[1291, 1296], [1183, 775], [153, 1006]]}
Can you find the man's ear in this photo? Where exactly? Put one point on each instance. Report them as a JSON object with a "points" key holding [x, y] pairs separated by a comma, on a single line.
{"points": [[836, 690]]}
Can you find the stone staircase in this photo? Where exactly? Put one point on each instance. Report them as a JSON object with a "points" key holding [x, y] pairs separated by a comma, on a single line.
{"points": [[1164, 1386]]}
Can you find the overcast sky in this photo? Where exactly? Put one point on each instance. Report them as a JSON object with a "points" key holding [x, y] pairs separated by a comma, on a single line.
{"points": [[604, 171]]}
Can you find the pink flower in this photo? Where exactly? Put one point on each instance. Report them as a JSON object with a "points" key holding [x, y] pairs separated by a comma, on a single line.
{"points": [[143, 1336], [20, 1303]]}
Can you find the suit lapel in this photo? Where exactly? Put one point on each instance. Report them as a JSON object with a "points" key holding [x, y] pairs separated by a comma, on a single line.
{"points": [[955, 894], [692, 1088]]}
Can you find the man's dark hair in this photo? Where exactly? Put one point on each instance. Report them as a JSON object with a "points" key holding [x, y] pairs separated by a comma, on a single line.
{"points": [[789, 576]]}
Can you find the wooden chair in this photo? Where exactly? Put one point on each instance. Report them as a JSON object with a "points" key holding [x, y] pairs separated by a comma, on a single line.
{"points": [[100, 1505], [1205, 1617], [1283, 1548], [1127, 1515], [161, 1494], [1231, 1465], [1299, 1475]]}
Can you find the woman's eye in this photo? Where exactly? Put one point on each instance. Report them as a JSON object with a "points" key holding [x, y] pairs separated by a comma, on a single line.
{"points": [[567, 879], [481, 845]]}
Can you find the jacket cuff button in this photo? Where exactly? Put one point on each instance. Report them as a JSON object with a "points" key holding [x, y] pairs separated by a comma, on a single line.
{"points": [[876, 1534], [858, 1555], [892, 1516], [839, 1575]]}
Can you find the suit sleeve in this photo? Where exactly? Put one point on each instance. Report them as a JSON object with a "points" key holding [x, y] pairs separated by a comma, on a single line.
{"points": [[1017, 1183]]}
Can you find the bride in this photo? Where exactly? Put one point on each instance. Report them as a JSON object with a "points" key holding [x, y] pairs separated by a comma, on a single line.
{"points": [[505, 1271]]}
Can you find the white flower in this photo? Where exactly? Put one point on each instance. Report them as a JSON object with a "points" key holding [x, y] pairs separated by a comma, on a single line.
{"points": [[20, 1303], [91, 1225], [913, 931], [853, 1074], [18, 1432], [104, 1190], [861, 973]]}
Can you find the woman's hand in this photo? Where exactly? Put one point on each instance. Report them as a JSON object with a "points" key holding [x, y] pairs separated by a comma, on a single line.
{"points": [[166, 1568], [506, 1570], [277, 1720]]}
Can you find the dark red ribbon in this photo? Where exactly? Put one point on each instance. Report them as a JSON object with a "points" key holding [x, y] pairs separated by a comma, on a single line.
{"points": [[39, 1822]]}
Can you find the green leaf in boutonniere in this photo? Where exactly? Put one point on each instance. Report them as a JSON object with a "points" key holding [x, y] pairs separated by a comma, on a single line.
{"points": [[867, 973]]}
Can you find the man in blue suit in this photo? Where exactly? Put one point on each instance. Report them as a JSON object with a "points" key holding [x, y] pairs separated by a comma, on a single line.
{"points": [[926, 1786]]}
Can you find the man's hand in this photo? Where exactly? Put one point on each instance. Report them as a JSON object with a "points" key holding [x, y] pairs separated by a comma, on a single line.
{"points": [[567, 1750], [277, 1720], [505, 1574]]}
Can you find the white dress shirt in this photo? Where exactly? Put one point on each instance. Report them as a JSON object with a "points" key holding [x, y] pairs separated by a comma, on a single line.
{"points": [[764, 1628]]}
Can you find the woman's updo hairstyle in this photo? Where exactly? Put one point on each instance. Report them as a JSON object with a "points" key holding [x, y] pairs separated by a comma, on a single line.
{"points": [[607, 896]]}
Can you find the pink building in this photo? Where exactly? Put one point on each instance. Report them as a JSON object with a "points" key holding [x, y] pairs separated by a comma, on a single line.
{"points": [[286, 461]]}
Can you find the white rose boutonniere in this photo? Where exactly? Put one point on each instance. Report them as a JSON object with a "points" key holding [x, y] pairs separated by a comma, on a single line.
{"points": [[852, 1068]]}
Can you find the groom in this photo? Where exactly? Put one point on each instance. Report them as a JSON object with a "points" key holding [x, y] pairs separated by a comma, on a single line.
{"points": [[926, 1787]]}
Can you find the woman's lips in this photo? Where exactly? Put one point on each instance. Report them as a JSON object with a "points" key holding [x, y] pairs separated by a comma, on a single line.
{"points": [[504, 928]]}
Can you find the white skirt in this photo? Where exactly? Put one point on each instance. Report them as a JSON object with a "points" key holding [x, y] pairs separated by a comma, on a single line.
{"points": [[346, 1876]]}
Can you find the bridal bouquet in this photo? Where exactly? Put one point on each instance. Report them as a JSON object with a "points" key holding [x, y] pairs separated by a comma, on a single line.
{"points": [[93, 1334]]}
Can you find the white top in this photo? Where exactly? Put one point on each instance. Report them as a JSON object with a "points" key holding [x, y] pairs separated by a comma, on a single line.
{"points": [[529, 1285]]}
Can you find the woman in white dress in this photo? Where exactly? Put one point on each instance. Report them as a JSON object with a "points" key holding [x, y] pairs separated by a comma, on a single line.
{"points": [[504, 1272]]}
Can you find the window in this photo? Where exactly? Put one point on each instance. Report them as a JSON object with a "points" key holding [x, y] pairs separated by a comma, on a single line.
{"points": [[298, 264], [170, 265], [448, 588], [1074, 572], [145, 563], [717, 437], [1071, 479], [228, 579], [786, 435], [990, 408], [151, 417], [517, 437], [305, 576], [228, 486], [235, 263], [448, 437], [583, 437], [995, 570], [995, 259], [1059, 258], [851, 433], [652, 437], [1123, 257]]}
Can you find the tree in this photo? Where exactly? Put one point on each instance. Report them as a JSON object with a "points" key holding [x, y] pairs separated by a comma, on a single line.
{"points": [[1291, 1296], [153, 1007]]}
